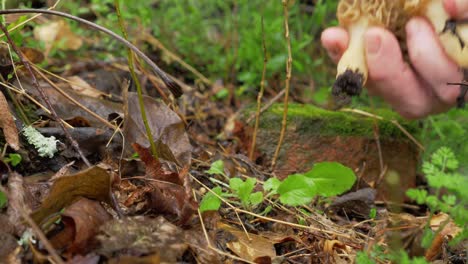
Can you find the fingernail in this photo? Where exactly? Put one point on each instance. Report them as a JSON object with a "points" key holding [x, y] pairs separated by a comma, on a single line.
{"points": [[413, 27], [373, 43]]}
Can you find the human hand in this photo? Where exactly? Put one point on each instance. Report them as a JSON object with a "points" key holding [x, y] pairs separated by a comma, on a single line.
{"points": [[415, 90]]}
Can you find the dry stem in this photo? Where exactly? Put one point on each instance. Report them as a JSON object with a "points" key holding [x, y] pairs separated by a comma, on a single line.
{"points": [[287, 83], [260, 94]]}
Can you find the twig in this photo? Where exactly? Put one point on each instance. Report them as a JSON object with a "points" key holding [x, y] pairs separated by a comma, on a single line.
{"points": [[43, 95], [173, 86], [131, 66], [287, 82], [260, 95], [267, 105]]}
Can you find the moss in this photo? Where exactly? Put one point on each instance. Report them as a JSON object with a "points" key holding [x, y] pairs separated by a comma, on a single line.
{"points": [[312, 120]]}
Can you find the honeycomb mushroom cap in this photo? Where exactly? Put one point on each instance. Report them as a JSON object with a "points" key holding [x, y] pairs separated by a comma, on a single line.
{"points": [[385, 13]]}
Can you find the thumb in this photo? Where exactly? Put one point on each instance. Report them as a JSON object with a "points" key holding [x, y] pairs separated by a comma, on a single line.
{"points": [[457, 8]]}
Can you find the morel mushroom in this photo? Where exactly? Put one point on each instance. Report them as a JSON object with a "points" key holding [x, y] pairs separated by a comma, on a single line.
{"points": [[358, 15]]}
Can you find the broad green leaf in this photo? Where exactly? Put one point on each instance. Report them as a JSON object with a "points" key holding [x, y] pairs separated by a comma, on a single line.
{"points": [[272, 184], [297, 189], [256, 198], [217, 167], [3, 199], [211, 202], [331, 178]]}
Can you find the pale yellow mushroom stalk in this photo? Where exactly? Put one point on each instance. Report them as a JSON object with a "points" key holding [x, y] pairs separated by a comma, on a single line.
{"points": [[356, 16]]}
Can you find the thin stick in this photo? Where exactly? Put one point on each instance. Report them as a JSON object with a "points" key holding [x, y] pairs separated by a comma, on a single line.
{"points": [[173, 86], [267, 105], [288, 79], [260, 95], [44, 96], [37, 231]]}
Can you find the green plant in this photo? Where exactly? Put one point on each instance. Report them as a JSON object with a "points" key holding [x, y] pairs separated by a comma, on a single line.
{"points": [[242, 190], [377, 255], [441, 173], [3, 199], [324, 179], [13, 158]]}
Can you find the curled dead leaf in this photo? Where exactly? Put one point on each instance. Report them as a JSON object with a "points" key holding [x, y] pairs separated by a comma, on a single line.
{"points": [[82, 220], [93, 183]]}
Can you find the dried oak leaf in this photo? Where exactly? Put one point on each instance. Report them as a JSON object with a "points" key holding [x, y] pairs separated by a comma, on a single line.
{"points": [[7, 123], [171, 193], [93, 183], [168, 130]]}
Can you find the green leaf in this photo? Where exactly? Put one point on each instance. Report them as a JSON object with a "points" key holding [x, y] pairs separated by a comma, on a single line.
{"points": [[418, 195], [243, 189], [211, 202], [272, 184], [297, 189], [331, 178], [372, 213], [3, 199], [217, 167], [14, 159], [256, 198]]}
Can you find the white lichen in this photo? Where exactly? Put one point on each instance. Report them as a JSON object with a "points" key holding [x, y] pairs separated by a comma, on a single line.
{"points": [[45, 146]]}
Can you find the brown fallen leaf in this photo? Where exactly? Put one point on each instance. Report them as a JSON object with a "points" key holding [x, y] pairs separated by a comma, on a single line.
{"points": [[84, 218], [249, 249], [93, 183], [7, 123], [171, 192], [168, 130], [446, 230]]}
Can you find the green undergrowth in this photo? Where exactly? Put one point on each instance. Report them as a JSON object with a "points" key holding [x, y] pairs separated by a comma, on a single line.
{"points": [[317, 121]]}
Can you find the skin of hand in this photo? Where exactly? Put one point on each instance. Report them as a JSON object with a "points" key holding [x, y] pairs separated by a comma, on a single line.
{"points": [[416, 90]]}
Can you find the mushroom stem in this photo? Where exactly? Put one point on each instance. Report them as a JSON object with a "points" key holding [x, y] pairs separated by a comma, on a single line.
{"points": [[352, 67]]}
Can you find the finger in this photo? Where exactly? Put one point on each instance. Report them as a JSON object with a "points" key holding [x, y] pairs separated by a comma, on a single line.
{"points": [[335, 41], [457, 8], [430, 61], [392, 78]]}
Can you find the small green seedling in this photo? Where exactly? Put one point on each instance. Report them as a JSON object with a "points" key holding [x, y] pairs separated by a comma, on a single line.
{"points": [[243, 190], [325, 179], [13, 158]]}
